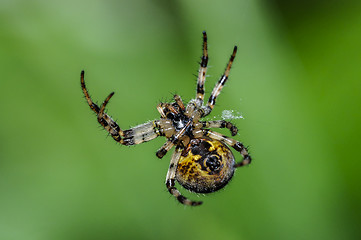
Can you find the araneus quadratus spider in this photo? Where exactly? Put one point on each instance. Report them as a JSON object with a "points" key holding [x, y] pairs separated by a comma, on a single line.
{"points": [[201, 162]]}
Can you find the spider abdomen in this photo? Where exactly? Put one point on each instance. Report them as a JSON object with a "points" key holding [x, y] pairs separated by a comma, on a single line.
{"points": [[205, 166]]}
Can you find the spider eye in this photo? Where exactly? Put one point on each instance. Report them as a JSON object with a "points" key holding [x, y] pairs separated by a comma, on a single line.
{"points": [[213, 163]]}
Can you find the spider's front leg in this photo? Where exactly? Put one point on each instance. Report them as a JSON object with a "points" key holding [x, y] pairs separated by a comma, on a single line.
{"points": [[202, 72], [218, 88], [142, 133], [170, 180]]}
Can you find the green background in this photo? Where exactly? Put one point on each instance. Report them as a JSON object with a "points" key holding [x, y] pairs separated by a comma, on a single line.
{"points": [[296, 80]]}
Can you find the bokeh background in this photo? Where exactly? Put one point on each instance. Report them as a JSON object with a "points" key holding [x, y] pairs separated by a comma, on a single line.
{"points": [[296, 81]]}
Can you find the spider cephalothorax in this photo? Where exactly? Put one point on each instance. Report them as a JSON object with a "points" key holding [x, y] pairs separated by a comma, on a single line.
{"points": [[202, 162]]}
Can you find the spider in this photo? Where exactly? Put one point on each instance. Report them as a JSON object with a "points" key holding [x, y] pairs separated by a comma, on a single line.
{"points": [[202, 161]]}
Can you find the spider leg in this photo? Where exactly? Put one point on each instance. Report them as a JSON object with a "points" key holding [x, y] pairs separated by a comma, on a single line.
{"points": [[217, 89], [238, 146], [179, 102], [170, 107], [219, 124], [170, 180], [92, 105], [104, 119], [142, 133], [202, 72], [136, 135], [160, 107], [173, 140]]}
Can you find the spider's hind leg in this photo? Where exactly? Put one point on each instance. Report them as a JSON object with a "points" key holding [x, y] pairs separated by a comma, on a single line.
{"points": [[170, 180]]}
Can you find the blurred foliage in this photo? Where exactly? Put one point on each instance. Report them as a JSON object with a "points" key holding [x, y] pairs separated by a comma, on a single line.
{"points": [[296, 80]]}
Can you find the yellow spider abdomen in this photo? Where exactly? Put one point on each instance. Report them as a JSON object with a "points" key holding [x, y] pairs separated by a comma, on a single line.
{"points": [[205, 166]]}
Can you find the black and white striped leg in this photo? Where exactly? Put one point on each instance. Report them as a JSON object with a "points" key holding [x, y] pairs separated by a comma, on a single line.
{"points": [[217, 89], [104, 119], [221, 124], [142, 133], [91, 104], [170, 180], [238, 146], [164, 149], [136, 135], [202, 72]]}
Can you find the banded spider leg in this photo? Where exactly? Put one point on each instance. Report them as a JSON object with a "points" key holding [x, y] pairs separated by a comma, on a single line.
{"points": [[139, 134]]}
